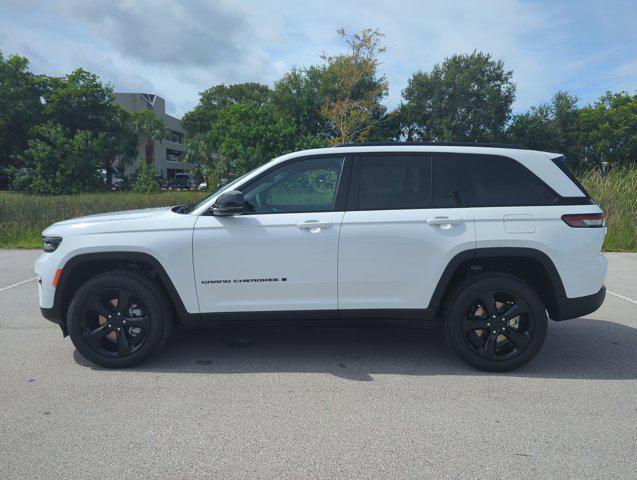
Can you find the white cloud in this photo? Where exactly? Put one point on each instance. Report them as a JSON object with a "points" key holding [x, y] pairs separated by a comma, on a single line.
{"points": [[178, 49]]}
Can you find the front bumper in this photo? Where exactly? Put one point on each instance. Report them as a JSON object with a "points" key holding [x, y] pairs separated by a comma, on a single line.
{"points": [[568, 308], [50, 314], [46, 267], [53, 315]]}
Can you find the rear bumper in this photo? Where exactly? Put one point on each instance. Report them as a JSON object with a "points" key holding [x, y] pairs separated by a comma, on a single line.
{"points": [[568, 308]]}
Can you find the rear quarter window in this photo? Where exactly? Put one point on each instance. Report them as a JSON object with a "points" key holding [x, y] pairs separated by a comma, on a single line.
{"points": [[492, 181], [561, 164]]}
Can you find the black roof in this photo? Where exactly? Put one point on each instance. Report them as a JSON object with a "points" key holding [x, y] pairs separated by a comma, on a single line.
{"points": [[435, 144]]}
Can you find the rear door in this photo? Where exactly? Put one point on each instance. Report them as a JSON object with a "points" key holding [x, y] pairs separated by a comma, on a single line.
{"points": [[406, 218]]}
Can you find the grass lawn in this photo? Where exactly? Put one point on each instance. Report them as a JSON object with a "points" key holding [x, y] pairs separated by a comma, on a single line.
{"points": [[23, 217]]}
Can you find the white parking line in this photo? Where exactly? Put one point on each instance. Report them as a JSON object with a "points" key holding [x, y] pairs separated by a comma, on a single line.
{"points": [[9, 287], [623, 297]]}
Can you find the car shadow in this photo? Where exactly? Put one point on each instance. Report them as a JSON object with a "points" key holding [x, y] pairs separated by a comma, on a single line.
{"points": [[577, 349]]}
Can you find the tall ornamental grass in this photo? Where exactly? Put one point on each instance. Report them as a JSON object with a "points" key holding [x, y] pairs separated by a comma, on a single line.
{"points": [[23, 217], [616, 193]]}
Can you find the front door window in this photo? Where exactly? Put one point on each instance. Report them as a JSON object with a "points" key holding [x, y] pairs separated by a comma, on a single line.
{"points": [[296, 187]]}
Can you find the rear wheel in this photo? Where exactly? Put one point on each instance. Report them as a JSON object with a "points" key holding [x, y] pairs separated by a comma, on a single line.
{"points": [[495, 322], [119, 319]]}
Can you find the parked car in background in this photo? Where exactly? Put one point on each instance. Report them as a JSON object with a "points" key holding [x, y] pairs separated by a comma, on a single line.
{"points": [[117, 182], [181, 181]]}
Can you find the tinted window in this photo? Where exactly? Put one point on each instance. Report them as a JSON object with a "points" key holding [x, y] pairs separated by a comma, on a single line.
{"points": [[448, 188], [301, 186], [392, 182], [492, 181]]}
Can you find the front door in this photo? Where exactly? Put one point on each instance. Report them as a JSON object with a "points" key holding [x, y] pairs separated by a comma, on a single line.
{"points": [[281, 254]]}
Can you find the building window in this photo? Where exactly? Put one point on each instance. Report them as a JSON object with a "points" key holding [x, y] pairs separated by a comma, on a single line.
{"points": [[175, 136], [173, 155]]}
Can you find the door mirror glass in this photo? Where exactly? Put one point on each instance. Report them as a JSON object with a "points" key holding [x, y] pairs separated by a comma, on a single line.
{"points": [[228, 203]]}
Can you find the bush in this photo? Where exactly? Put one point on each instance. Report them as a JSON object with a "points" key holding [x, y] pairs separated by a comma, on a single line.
{"points": [[146, 178], [56, 163]]}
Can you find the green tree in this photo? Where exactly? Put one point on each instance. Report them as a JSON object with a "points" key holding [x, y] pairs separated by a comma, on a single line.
{"points": [[148, 127], [242, 137], [464, 98], [218, 97], [352, 106], [20, 106], [247, 136], [118, 139], [301, 94], [607, 130], [59, 162], [79, 101], [550, 127], [202, 151]]}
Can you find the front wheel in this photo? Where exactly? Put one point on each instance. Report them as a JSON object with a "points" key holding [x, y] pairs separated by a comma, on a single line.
{"points": [[495, 322], [119, 319]]}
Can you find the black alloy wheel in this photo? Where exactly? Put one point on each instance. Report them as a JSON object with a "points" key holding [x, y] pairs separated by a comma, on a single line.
{"points": [[498, 325], [119, 319], [495, 321], [115, 322]]}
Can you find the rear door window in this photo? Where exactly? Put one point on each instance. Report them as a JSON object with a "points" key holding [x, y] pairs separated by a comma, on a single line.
{"points": [[394, 181], [448, 188]]}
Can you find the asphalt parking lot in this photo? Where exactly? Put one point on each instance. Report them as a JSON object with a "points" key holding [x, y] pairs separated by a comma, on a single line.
{"points": [[318, 402]]}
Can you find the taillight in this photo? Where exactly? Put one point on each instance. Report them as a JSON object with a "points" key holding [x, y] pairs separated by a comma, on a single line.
{"points": [[584, 220]]}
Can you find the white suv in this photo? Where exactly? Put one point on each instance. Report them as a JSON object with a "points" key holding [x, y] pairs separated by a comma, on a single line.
{"points": [[485, 238]]}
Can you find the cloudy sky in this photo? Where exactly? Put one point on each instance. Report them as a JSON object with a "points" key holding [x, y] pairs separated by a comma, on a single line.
{"points": [[177, 49]]}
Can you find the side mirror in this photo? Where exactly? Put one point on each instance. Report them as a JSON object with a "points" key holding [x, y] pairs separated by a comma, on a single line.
{"points": [[228, 203]]}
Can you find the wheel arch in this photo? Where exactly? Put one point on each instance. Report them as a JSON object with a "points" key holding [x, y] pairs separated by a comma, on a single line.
{"points": [[531, 265], [86, 265]]}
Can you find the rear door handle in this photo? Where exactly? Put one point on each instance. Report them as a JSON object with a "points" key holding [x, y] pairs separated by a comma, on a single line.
{"points": [[442, 221], [312, 224]]}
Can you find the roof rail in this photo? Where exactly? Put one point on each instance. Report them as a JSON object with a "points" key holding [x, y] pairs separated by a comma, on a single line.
{"points": [[435, 144]]}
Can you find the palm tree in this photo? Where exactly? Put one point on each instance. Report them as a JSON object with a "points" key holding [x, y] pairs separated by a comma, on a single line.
{"points": [[148, 127]]}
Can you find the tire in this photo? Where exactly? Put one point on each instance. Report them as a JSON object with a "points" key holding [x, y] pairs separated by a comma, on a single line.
{"points": [[482, 327], [138, 326]]}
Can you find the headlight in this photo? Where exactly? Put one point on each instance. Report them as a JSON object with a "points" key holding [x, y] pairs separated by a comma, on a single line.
{"points": [[49, 244]]}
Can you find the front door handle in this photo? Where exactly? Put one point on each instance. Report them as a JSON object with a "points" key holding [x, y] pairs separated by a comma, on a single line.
{"points": [[444, 221], [313, 224]]}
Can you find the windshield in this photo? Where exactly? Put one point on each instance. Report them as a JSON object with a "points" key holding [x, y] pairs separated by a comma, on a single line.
{"points": [[190, 208]]}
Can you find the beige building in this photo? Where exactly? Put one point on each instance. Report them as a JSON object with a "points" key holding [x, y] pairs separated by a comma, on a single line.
{"points": [[168, 154]]}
